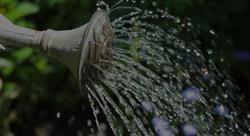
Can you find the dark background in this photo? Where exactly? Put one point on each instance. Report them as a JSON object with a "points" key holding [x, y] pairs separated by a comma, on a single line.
{"points": [[35, 89]]}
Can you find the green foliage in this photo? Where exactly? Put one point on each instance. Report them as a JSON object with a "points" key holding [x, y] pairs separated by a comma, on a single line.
{"points": [[16, 65], [22, 10], [30, 81]]}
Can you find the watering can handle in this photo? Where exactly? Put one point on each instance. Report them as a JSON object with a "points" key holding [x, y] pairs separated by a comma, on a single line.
{"points": [[11, 35]]}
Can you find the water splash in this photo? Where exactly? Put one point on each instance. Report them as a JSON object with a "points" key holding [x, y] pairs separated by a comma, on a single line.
{"points": [[156, 82]]}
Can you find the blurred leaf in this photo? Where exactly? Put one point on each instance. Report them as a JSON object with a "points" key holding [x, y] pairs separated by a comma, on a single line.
{"points": [[6, 66], [25, 23], [134, 48], [22, 10], [23, 54], [54, 2], [5, 63], [42, 65], [1, 84], [11, 91]]}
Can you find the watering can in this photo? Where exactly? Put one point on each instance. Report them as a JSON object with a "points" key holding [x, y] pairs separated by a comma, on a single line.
{"points": [[74, 48]]}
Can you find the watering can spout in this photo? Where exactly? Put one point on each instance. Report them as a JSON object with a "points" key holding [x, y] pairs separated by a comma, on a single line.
{"points": [[73, 47], [64, 46]]}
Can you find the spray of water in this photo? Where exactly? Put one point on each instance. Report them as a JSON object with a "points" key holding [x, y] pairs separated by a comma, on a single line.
{"points": [[155, 83]]}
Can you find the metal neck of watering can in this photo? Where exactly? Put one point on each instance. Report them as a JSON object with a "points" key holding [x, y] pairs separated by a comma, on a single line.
{"points": [[11, 35], [63, 46], [75, 48]]}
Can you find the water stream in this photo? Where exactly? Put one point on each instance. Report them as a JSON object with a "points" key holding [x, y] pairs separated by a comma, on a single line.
{"points": [[159, 84]]}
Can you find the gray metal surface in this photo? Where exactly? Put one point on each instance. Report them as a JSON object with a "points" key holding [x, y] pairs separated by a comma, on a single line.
{"points": [[11, 35], [74, 48]]}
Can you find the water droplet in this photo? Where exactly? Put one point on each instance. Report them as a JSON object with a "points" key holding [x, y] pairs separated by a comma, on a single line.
{"points": [[58, 115], [189, 24], [155, 4], [71, 120], [89, 123], [225, 96], [178, 20], [209, 52], [92, 130], [248, 116], [221, 59], [102, 5], [142, 1], [212, 32], [164, 76], [236, 126]]}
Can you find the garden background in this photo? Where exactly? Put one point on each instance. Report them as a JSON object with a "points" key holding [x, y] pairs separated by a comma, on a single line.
{"points": [[39, 95]]}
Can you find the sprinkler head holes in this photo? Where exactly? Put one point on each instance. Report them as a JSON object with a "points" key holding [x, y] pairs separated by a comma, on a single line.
{"points": [[97, 44]]}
